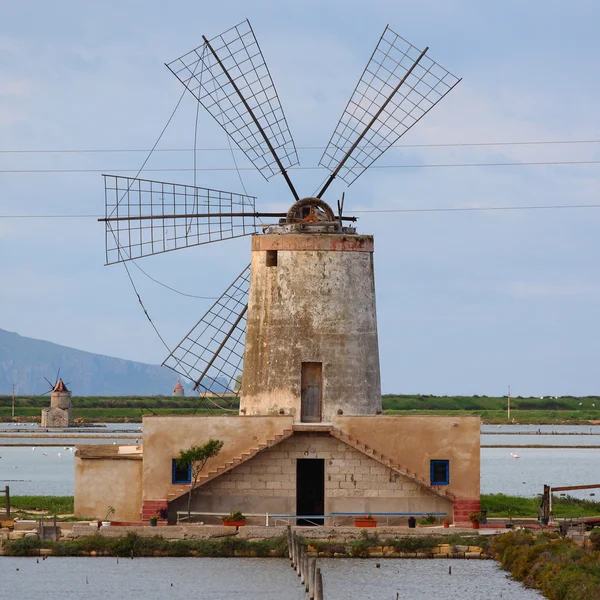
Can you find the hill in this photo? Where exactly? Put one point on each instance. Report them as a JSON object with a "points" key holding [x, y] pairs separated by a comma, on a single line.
{"points": [[26, 361]]}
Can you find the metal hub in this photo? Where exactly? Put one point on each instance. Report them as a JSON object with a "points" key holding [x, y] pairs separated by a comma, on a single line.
{"points": [[310, 210]]}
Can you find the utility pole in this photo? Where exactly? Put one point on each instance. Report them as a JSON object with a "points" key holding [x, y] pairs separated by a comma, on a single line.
{"points": [[13, 400], [508, 416]]}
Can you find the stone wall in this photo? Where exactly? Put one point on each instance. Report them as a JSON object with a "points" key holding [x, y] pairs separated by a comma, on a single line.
{"points": [[110, 481], [56, 417], [354, 482]]}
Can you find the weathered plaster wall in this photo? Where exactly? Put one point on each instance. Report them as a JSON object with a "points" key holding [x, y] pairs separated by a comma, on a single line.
{"points": [[104, 482], [316, 305], [412, 441], [165, 436], [55, 417], [353, 483]]}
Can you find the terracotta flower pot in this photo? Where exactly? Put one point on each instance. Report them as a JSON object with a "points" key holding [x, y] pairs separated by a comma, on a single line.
{"points": [[446, 525], [475, 524], [237, 523], [365, 523]]}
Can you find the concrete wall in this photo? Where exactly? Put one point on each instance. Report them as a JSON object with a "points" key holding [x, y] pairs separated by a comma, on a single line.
{"points": [[353, 482], [104, 482], [165, 436], [316, 305], [412, 441]]}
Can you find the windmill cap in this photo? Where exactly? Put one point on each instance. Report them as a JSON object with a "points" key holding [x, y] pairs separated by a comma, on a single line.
{"points": [[178, 386], [60, 386]]}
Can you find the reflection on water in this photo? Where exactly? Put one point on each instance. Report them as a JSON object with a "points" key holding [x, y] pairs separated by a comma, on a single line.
{"points": [[255, 579]]}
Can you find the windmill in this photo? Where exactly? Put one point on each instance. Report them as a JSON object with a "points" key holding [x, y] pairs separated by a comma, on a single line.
{"points": [[229, 77]]}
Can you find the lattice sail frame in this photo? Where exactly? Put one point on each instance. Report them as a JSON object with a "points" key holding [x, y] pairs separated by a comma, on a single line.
{"points": [[423, 89], [145, 217], [240, 54], [212, 353]]}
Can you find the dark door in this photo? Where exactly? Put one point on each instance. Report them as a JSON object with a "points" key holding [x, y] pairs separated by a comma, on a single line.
{"points": [[311, 392], [310, 489]]}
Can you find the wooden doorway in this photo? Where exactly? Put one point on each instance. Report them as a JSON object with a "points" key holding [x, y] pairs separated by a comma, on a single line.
{"points": [[311, 392]]}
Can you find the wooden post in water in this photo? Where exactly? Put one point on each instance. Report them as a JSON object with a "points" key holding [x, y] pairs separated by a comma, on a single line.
{"points": [[305, 569], [311, 578], [298, 558], [293, 550], [319, 586]]}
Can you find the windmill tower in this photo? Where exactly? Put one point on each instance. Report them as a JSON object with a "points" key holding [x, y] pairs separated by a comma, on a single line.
{"points": [[299, 322], [60, 412], [295, 334]]}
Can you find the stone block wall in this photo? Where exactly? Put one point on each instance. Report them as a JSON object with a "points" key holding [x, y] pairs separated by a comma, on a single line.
{"points": [[354, 482], [56, 417]]}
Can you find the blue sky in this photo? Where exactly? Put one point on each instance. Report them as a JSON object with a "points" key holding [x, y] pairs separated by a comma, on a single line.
{"points": [[468, 302]]}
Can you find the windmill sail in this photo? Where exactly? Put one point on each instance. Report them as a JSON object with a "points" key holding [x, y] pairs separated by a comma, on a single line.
{"points": [[229, 77], [399, 86], [144, 217], [212, 353]]}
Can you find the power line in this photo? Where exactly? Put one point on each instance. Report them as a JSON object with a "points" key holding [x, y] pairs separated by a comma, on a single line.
{"points": [[317, 168], [166, 150], [366, 211]]}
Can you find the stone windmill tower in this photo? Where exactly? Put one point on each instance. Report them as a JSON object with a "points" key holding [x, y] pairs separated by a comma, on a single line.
{"points": [[305, 307], [60, 412], [295, 334]]}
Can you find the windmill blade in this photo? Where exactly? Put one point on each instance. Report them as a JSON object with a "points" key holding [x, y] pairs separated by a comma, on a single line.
{"points": [[212, 353], [399, 86], [229, 77], [144, 217]]}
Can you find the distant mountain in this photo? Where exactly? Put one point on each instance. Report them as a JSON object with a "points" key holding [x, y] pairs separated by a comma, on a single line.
{"points": [[26, 361]]}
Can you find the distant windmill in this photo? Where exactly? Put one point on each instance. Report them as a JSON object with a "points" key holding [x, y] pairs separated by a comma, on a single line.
{"points": [[229, 77]]}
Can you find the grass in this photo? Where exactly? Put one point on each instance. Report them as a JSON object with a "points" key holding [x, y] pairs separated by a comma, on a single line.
{"points": [[134, 545], [499, 505], [559, 568], [565, 409]]}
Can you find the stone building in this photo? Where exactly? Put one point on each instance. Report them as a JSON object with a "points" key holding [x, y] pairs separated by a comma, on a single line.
{"points": [[310, 439], [59, 413]]}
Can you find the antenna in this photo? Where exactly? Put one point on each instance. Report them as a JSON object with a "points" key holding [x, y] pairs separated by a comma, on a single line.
{"points": [[240, 95], [398, 87]]}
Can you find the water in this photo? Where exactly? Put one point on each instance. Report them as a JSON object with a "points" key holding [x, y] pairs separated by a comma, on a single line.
{"points": [[36, 474], [254, 579]]}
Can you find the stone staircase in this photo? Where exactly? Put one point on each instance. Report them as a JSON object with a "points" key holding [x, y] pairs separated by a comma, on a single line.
{"points": [[177, 490], [384, 460]]}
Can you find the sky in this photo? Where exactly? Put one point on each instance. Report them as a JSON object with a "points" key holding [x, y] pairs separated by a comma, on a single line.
{"points": [[468, 302]]}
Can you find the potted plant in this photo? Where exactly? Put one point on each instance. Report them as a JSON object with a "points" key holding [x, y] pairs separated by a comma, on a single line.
{"points": [[163, 513], [110, 511], [427, 521], [365, 521], [234, 519], [475, 519], [154, 521], [447, 522]]}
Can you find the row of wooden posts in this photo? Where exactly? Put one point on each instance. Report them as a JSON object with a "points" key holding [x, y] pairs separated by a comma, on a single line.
{"points": [[306, 568]]}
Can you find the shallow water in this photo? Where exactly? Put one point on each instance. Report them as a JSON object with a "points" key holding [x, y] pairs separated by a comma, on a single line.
{"points": [[255, 579]]}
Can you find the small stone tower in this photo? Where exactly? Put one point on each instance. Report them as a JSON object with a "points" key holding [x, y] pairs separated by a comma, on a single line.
{"points": [[178, 391], [311, 335], [59, 413]]}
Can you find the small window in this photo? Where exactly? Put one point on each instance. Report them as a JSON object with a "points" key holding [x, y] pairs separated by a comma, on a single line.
{"points": [[181, 474], [271, 258], [440, 472]]}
